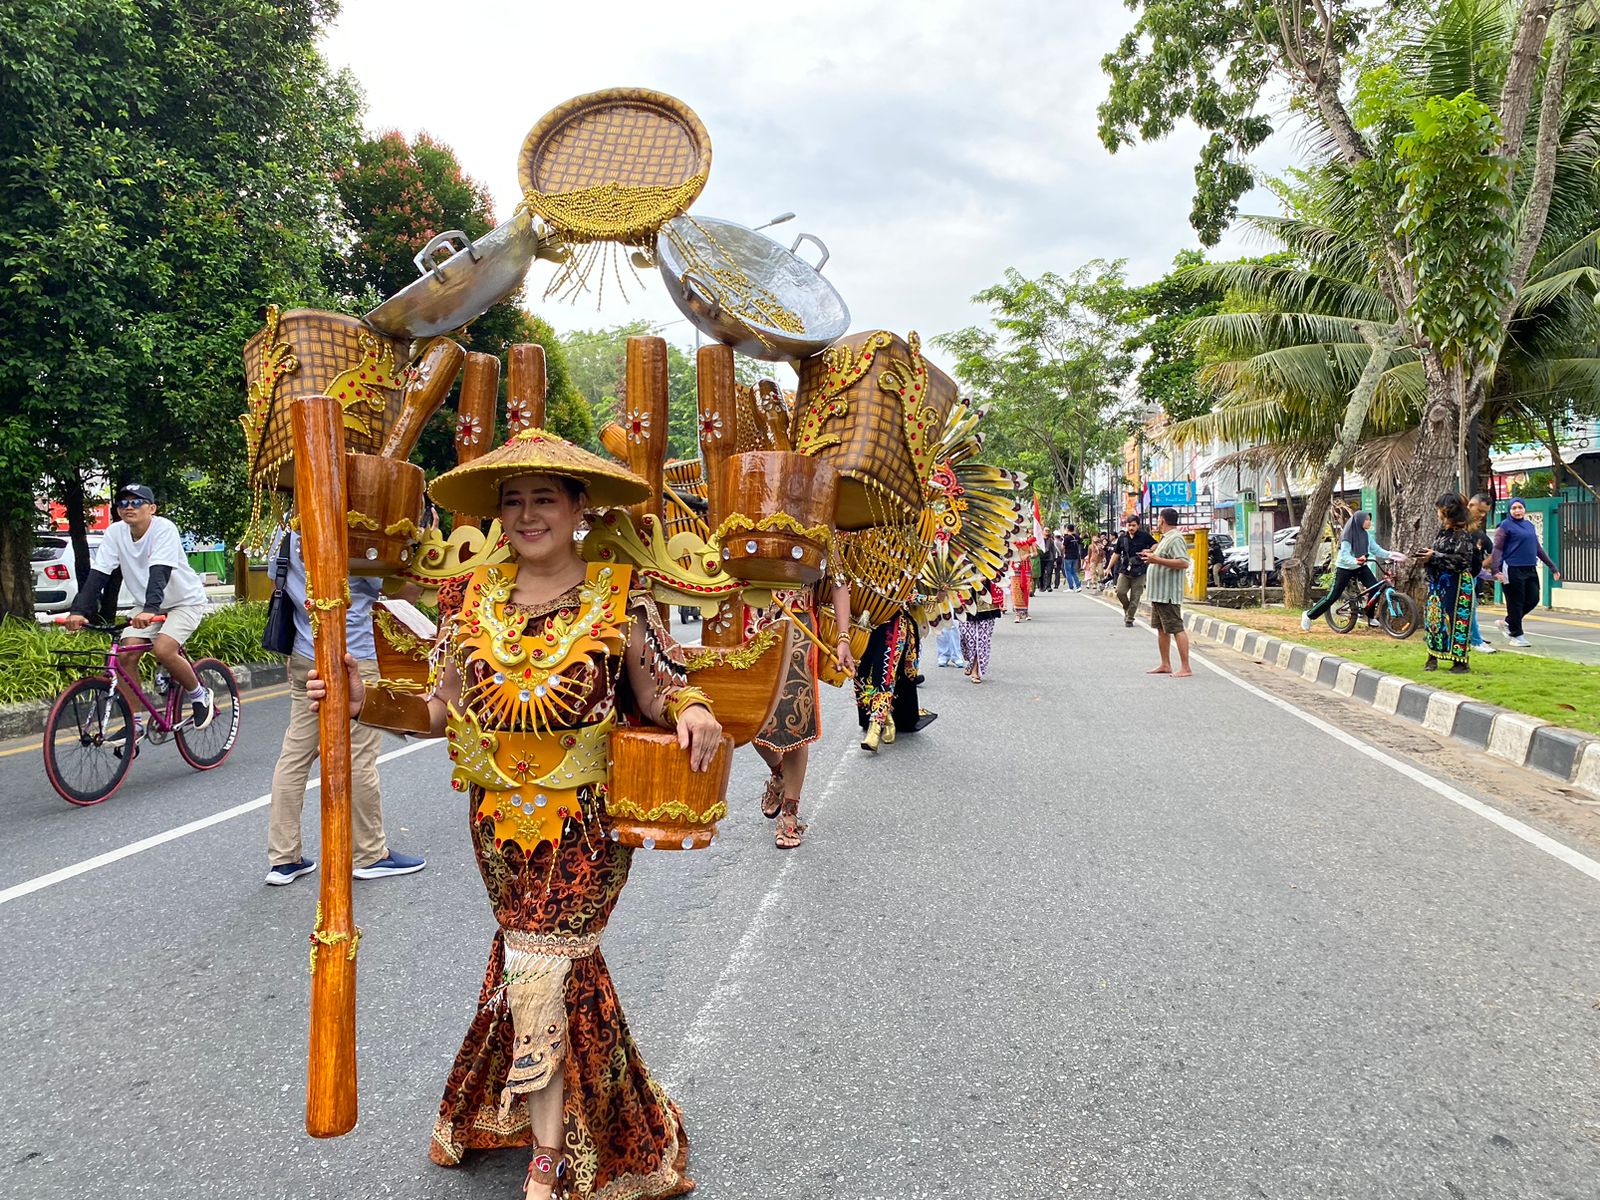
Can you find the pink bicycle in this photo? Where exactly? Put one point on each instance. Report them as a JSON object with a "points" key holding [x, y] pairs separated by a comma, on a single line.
{"points": [[91, 737]]}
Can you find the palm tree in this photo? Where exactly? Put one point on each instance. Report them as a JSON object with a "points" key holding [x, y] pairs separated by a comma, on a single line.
{"points": [[1287, 357]]}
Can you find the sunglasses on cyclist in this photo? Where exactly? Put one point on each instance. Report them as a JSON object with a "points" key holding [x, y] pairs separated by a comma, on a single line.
{"points": [[131, 502]]}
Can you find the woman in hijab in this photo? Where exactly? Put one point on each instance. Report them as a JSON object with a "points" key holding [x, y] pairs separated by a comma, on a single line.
{"points": [[1357, 548]]}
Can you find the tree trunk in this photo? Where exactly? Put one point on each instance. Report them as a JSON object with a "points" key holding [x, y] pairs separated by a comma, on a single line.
{"points": [[1430, 473], [1301, 568], [74, 501], [16, 572]]}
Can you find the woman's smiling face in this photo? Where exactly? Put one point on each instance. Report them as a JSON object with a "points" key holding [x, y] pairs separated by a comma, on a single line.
{"points": [[540, 516]]}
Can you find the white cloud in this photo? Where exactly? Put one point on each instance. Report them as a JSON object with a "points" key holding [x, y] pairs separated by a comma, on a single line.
{"points": [[931, 145]]}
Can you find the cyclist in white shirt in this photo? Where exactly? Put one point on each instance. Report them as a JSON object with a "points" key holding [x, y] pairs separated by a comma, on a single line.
{"points": [[154, 566]]}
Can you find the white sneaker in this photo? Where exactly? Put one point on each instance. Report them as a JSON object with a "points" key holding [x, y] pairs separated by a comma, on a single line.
{"points": [[1519, 641], [1484, 648], [1305, 623], [1504, 628]]}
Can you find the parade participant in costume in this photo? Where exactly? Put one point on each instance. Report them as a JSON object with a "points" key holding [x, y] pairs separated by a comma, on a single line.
{"points": [[1022, 578], [784, 743], [886, 682], [977, 629], [1453, 563], [544, 656]]}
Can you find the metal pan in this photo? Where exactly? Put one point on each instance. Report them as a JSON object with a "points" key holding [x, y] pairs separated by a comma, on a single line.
{"points": [[779, 273], [472, 279]]}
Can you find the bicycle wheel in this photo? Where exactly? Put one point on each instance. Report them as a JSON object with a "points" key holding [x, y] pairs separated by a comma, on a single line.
{"points": [[88, 742], [1398, 614], [1343, 613], [205, 748]]}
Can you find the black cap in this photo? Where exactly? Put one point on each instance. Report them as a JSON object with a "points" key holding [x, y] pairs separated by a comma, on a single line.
{"points": [[137, 489]]}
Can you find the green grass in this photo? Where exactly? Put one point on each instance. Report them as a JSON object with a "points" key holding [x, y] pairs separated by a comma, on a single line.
{"points": [[29, 652], [1552, 689]]}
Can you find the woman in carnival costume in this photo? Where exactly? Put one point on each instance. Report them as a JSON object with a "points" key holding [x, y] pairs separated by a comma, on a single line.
{"points": [[544, 656], [784, 742]]}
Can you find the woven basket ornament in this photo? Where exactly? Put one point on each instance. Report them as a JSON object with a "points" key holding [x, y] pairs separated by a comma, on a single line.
{"points": [[612, 167]]}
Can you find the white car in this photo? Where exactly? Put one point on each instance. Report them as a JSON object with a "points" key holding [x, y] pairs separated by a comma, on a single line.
{"points": [[55, 575]]}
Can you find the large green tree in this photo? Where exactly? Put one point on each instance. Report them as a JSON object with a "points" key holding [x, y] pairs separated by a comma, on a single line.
{"points": [[167, 173], [1049, 371], [1455, 215]]}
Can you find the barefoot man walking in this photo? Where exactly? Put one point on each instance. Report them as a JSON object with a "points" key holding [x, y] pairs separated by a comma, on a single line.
{"points": [[1169, 563]]}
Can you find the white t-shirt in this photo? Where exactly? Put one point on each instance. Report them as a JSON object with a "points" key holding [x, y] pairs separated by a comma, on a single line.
{"points": [[161, 546]]}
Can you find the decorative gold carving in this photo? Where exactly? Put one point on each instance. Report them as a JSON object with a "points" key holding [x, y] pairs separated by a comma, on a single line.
{"points": [[324, 937], [740, 658], [356, 387], [780, 522], [467, 548], [472, 753], [844, 369], [907, 381], [683, 571], [400, 638], [671, 810]]}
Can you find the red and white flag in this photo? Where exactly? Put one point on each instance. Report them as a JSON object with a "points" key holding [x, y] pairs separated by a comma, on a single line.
{"points": [[1038, 524]]}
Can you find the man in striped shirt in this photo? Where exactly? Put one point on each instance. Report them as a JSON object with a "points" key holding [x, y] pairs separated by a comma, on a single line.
{"points": [[1169, 566]]}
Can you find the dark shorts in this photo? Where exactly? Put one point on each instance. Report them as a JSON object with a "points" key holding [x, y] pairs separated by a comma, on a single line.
{"points": [[1167, 618]]}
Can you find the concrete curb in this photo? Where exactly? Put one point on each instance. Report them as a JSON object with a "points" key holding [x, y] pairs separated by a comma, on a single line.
{"points": [[1571, 757], [28, 717]]}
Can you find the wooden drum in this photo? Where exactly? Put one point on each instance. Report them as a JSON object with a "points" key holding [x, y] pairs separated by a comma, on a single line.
{"points": [[655, 802], [780, 512], [385, 497]]}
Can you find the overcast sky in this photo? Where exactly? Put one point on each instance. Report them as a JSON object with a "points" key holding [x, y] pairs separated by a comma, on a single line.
{"points": [[931, 145]]}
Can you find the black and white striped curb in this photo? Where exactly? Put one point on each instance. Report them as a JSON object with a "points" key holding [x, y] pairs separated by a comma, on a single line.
{"points": [[1564, 754], [28, 716]]}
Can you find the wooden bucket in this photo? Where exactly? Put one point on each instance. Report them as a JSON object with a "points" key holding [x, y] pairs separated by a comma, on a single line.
{"points": [[655, 802], [866, 405], [385, 498], [780, 511], [743, 681]]}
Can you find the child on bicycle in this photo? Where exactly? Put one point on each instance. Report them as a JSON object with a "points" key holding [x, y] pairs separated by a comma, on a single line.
{"points": [[150, 552], [1357, 548]]}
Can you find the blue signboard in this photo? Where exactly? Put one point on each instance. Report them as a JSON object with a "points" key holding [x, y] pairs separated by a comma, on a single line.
{"points": [[1179, 493]]}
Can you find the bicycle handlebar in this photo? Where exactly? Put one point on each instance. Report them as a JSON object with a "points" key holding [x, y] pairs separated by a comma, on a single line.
{"points": [[62, 618]]}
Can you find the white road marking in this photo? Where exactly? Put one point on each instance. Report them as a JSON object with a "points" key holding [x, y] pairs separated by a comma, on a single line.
{"points": [[1543, 841], [710, 1019], [40, 882]]}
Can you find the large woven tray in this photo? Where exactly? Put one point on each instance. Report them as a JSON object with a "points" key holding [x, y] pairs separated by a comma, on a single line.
{"points": [[627, 137]]}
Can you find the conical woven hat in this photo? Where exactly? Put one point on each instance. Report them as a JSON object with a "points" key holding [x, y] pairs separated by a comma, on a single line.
{"points": [[475, 487]]}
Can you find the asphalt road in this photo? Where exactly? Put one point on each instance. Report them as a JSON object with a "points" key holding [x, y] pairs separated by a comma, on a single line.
{"points": [[1092, 934], [1571, 635]]}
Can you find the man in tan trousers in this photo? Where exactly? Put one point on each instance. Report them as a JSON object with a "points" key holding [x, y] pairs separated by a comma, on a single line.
{"points": [[302, 742]]}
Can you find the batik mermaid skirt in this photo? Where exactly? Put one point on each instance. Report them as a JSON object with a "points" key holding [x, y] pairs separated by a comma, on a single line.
{"points": [[624, 1137]]}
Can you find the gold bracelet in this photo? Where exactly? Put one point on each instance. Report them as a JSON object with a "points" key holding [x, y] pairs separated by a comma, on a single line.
{"points": [[685, 697]]}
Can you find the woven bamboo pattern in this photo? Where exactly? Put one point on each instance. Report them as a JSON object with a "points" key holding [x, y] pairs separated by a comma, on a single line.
{"points": [[851, 411], [324, 345], [622, 138]]}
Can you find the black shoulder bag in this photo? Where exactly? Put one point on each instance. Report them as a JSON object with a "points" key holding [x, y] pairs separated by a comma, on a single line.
{"points": [[278, 636]]}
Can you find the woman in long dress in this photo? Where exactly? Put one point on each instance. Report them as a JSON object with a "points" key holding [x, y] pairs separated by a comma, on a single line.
{"points": [[545, 655], [784, 742], [977, 630], [1452, 563]]}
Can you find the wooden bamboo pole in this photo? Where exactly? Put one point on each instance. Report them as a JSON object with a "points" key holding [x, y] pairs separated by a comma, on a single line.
{"points": [[644, 418], [319, 468], [525, 387], [475, 412], [719, 415]]}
